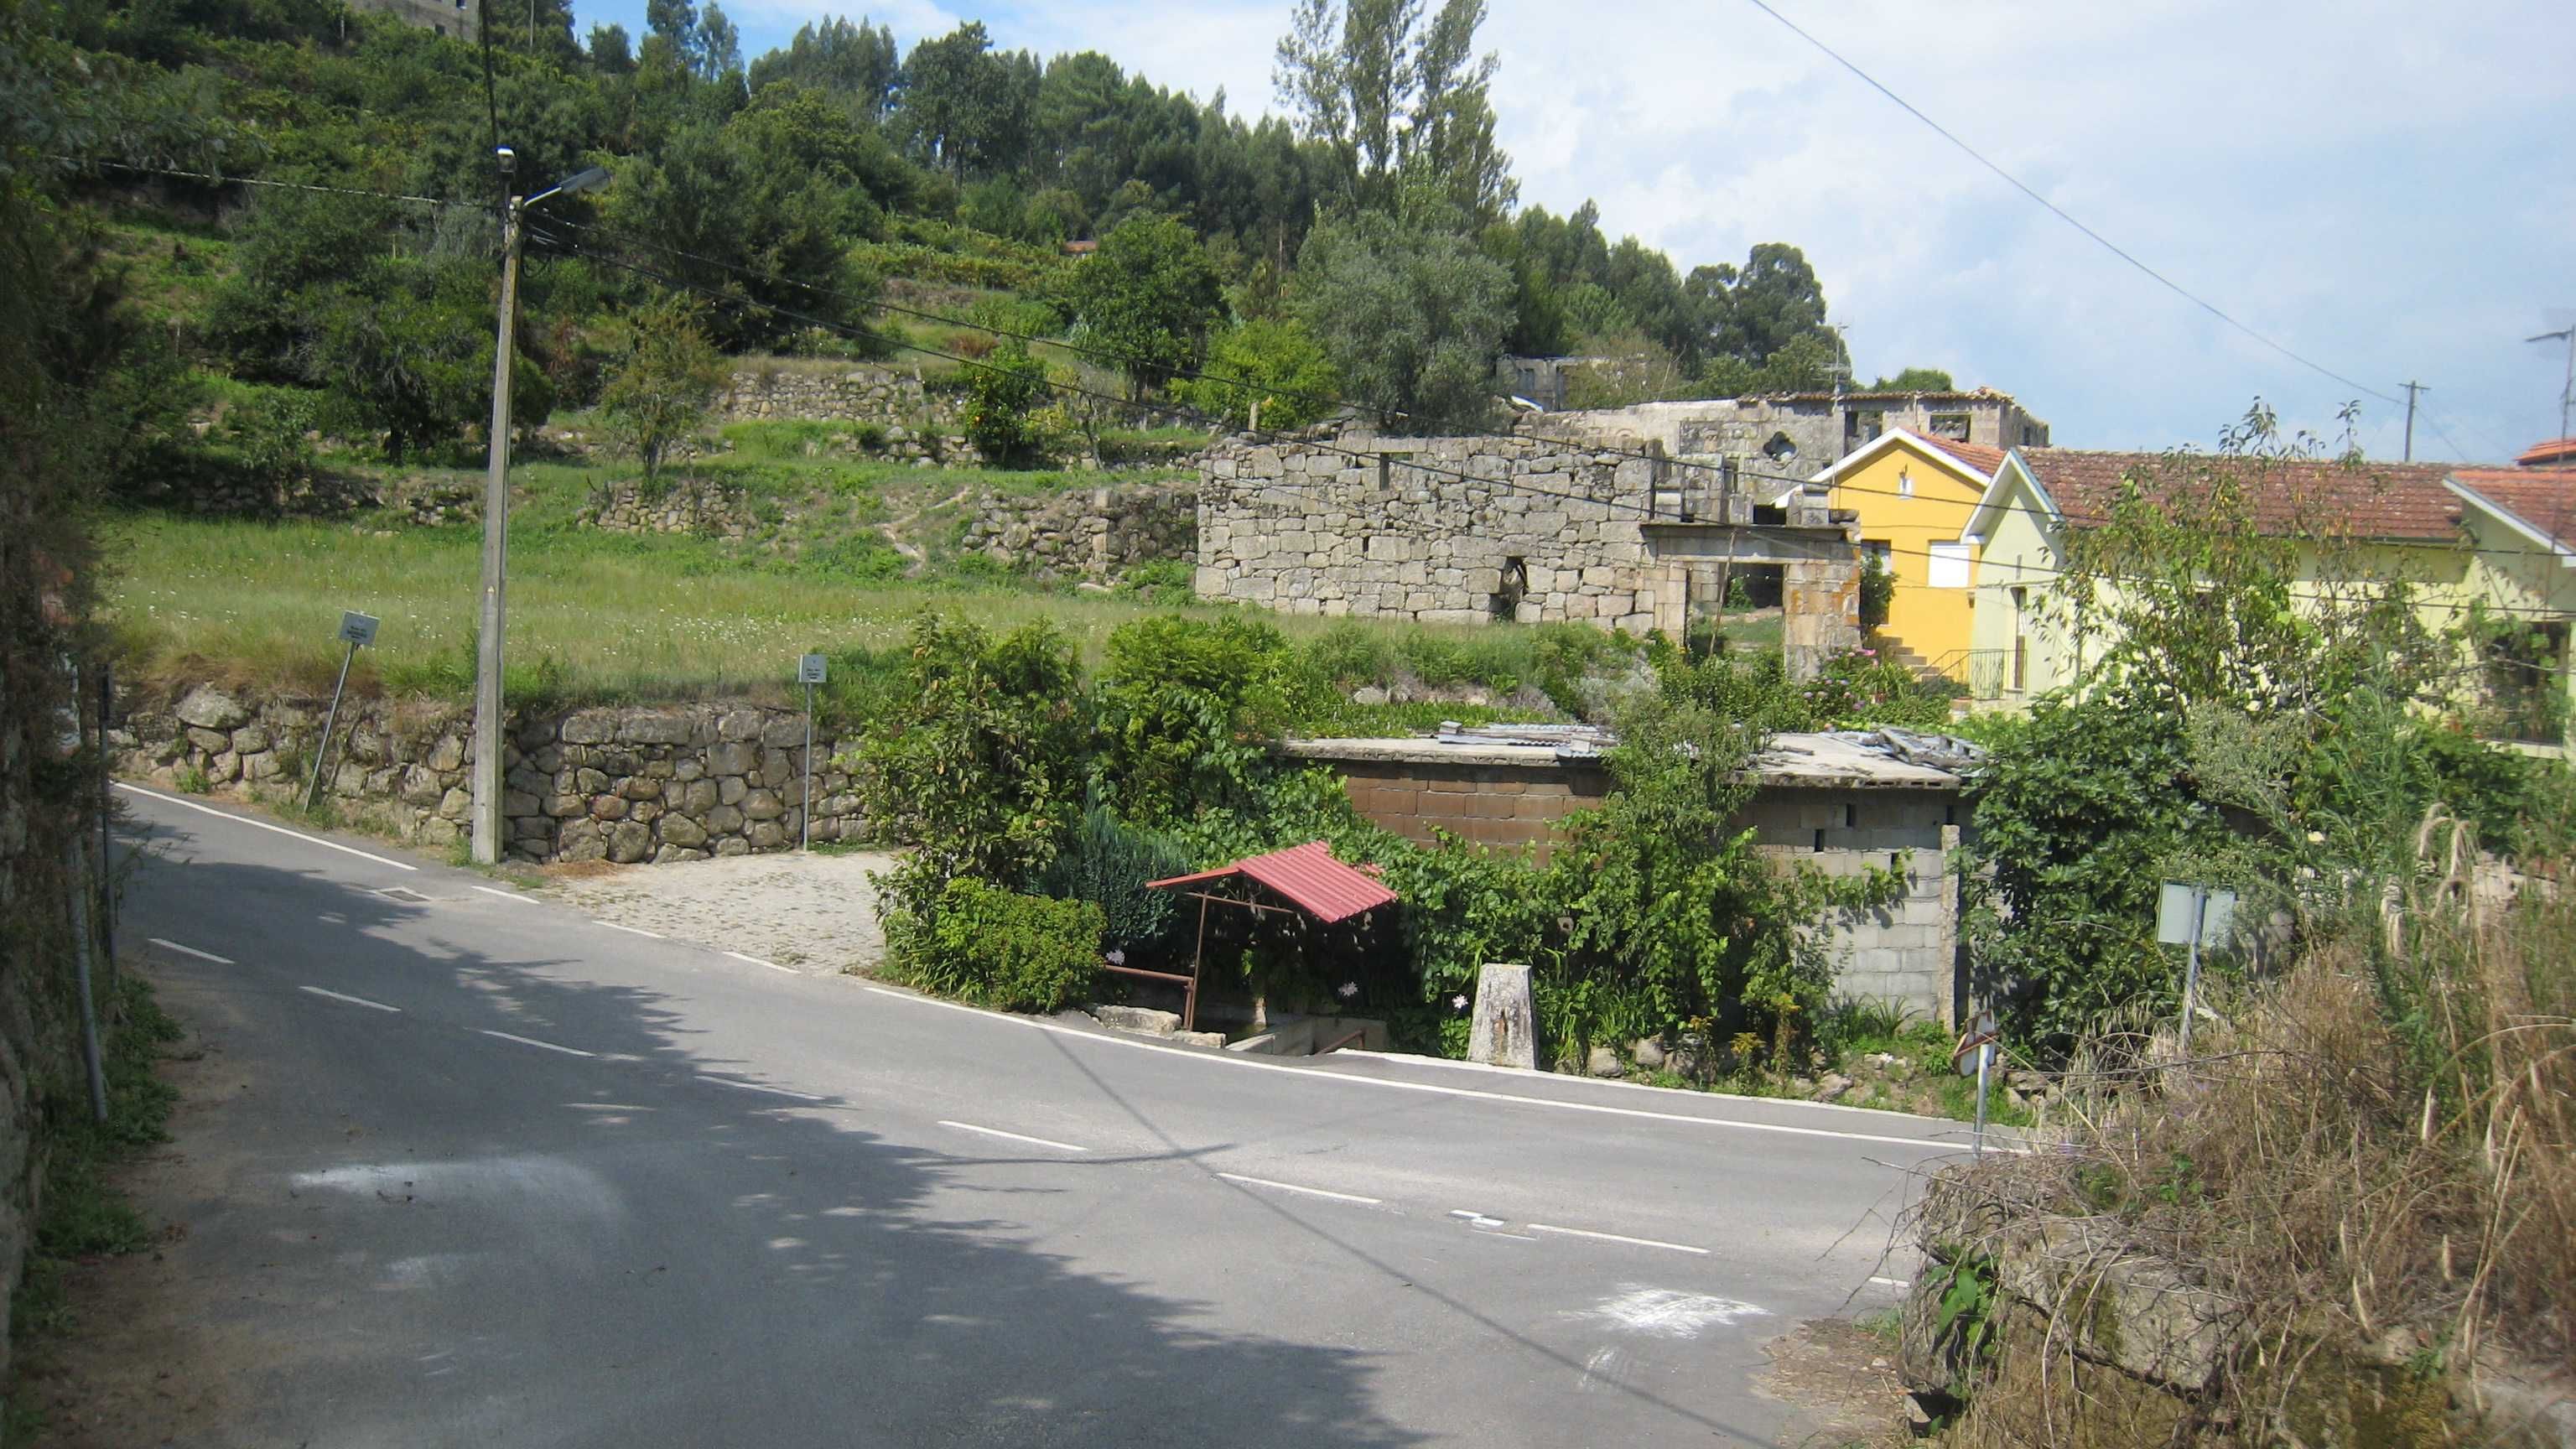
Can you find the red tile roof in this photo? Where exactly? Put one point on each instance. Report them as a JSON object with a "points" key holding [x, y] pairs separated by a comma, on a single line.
{"points": [[2557, 451], [2368, 500], [1981, 460], [1308, 876], [2544, 499]]}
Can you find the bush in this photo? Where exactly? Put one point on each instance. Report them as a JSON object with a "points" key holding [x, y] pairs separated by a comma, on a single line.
{"points": [[1107, 863], [995, 947], [1187, 710], [1349, 655], [1877, 593], [1857, 688], [1004, 393], [1275, 362]]}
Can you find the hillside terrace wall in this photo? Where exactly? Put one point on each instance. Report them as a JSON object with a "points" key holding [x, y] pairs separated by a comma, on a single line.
{"points": [[1824, 812], [618, 784], [1094, 534]]}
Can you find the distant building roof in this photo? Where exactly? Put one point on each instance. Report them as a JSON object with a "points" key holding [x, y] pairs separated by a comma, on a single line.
{"points": [[1080, 248], [1307, 876], [2538, 502], [1800, 760], [2370, 500], [2556, 453]]}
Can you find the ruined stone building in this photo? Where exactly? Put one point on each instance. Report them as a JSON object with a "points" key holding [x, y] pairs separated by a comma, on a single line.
{"points": [[1799, 432], [459, 18], [1484, 529]]}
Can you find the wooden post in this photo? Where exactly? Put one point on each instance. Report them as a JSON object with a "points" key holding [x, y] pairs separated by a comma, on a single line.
{"points": [[1198, 966]]}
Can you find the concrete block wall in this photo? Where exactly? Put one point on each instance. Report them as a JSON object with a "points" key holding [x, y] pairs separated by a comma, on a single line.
{"points": [[1905, 951]]}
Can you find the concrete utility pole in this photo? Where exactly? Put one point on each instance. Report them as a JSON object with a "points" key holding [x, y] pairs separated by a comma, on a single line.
{"points": [[2412, 388], [496, 548], [2567, 389], [488, 744]]}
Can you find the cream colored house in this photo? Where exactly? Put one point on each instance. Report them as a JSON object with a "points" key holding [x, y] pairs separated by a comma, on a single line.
{"points": [[2500, 538]]}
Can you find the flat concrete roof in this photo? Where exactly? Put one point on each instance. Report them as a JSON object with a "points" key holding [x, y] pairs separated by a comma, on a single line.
{"points": [[1807, 761]]}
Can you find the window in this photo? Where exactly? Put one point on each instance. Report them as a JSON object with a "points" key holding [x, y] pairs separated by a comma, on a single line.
{"points": [[1859, 428], [1880, 552], [2021, 641], [1780, 449], [1949, 568], [1905, 483], [1510, 588], [1953, 426]]}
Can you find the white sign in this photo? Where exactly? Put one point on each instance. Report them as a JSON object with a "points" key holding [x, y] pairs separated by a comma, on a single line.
{"points": [[358, 629], [2174, 914], [1978, 1045], [809, 670]]}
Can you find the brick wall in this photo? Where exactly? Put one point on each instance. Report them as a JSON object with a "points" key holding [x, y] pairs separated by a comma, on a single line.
{"points": [[1904, 951]]}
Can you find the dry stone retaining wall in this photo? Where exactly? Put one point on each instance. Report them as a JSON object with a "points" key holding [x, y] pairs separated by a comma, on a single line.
{"points": [[618, 784], [1086, 533]]}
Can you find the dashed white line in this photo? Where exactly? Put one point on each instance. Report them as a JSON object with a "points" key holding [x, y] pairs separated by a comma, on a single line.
{"points": [[1474, 1219], [260, 825], [1891, 1282], [632, 930], [1233, 1060], [540, 1045], [1617, 1238], [510, 895], [1013, 1136], [772, 965], [190, 951], [352, 1000], [1308, 1191], [756, 1087]]}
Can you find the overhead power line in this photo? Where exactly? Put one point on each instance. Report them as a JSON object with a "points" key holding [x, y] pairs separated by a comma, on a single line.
{"points": [[2114, 248]]}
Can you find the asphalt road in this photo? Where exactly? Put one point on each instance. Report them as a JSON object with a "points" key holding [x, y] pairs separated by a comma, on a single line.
{"points": [[499, 1174]]}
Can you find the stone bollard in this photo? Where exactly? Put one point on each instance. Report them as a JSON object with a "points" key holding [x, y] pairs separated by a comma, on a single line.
{"points": [[1503, 1034]]}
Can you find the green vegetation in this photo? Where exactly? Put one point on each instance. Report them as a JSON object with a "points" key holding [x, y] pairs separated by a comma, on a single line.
{"points": [[1000, 949]]}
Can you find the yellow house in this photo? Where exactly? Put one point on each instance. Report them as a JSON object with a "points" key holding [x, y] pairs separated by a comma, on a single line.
{"points": [[1913, 496], [2498, 539]]}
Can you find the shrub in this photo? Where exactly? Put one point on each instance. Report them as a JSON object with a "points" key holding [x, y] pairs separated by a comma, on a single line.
{"points": [[1187, 708], [1349, 655], [1003, 395], [994, 947], [1107, 863], [1276, 362], [1877, 593], [1857, 688]]}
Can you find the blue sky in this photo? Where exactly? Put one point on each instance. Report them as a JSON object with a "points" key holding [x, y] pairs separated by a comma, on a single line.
{"points": [[2379, 187]]}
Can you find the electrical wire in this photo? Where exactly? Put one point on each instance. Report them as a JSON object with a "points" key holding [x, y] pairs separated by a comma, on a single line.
{"points": [[2016, 183], [217, 178]]}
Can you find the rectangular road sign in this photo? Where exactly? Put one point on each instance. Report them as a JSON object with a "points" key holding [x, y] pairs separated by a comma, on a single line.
{"points": [[2174, 911], [809, 670], [358, 629]]}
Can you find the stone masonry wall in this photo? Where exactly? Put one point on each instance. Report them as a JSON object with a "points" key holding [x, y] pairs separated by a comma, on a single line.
{"points": [[859, 394], [1309, 530], [618, 784], [1906, 951], [1086, 533]]}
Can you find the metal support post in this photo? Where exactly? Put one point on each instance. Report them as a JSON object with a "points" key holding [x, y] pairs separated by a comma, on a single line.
{"points": [[2191, 972], [496, 532], [81, 945], [1985, 1064], [106, 812], [808, 819], [322, 753]]}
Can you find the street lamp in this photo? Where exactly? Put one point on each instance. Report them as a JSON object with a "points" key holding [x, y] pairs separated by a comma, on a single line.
{"points": [[496, 521]]}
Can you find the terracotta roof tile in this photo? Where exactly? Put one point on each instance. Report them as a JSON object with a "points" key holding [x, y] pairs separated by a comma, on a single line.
{"points": [[2370, 500], [1308, 876], [2558, 451], [2543, 498], [1981, 460]]}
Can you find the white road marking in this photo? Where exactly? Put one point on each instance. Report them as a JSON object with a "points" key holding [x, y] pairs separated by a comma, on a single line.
{"points": [[190, 951], [1012, 1136], [1474, 1219], [1308, 1191], [772, 965], [757, 1087], [260, 825], [509, 895], [541, 1045], [632, 930], [1236, 1060], [1668, 1313], [1616, 1238], [352, 1000], [1891, 1282]]}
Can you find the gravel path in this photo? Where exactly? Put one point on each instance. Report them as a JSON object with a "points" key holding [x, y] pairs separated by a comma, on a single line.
{"points": [[816, 913]]}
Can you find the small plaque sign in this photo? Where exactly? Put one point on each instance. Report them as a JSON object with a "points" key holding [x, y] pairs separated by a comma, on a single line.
{"points": [[358, 629], [809, 670]]}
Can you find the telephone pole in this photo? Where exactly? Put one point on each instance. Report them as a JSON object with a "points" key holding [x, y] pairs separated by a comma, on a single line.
{"points": [[496, 518], [2567, 389], [2412, 388]]}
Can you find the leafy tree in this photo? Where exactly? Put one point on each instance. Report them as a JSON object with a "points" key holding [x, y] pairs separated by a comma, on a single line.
{"points": [[979, 762], [1400, 105], [1916, 379], [611, 52], [1148, 296], [856, 63], [965, 106], [668, 381], [1004, 393], [1413, 321], [410, 344], [1187, 710], [719, 45], [1274, 362], [1774, 301]]}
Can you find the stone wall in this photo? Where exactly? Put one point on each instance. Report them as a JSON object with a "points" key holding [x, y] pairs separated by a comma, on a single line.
{"points": [[1313, 530], [622, 784], [676, 505], [894, 397], [1086, 533]]}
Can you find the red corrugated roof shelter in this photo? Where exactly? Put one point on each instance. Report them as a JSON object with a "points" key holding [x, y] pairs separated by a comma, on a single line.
{"points": [[1306, 876]]}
